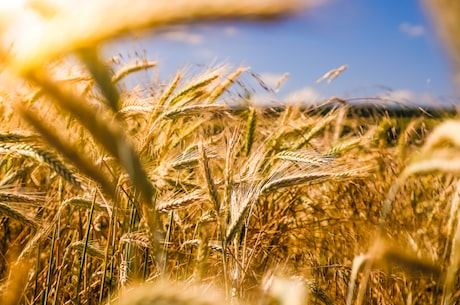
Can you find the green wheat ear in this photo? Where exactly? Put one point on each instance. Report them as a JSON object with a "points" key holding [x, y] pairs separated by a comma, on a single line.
{"points": [[250, 130]]}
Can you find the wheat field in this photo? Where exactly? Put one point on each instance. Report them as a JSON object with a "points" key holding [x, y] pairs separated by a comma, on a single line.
{"points": [[191, 194]]}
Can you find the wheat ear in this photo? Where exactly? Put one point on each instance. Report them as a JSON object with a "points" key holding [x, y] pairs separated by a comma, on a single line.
{"points": [[305, 178], [161, 102], [192, 89], [85, 204], [108, 133], [69, 151], [338, 149], [210, 185], [243, 198], [138, 66], [194, 110], [139, 239], [90, 249], [250, 130], [219, 89], [303, 156], [179, 203], [16, 137], [13, 197], [315, 130], [43, 156], [8, 211]]}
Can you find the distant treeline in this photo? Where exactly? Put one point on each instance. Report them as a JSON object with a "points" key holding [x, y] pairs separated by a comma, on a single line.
{"points": [[374, 110]]}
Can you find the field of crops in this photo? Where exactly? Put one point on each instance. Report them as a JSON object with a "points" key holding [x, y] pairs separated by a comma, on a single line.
{"points": [[189, 194]]}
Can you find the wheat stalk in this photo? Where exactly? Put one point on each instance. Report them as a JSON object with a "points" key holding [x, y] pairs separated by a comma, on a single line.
{"points": [[123, 273], [102, 75], [454, 264], [446, 15]]}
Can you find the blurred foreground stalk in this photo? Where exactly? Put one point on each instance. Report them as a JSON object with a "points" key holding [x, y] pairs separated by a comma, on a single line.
{"points": [[68, 28], [446, 15]]}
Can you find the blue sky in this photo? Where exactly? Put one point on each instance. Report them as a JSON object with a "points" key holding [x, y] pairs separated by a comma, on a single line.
{"points": [[389, 47]]}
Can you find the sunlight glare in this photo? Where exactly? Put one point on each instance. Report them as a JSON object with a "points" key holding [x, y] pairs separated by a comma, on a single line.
{"points": [[12, 4]]}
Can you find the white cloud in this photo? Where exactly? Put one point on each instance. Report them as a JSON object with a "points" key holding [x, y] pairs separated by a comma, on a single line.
{"points": [[264, 100], [410, 98], [413, 30], [184, 36], [309, 96], [305, 96], [427, 99], [402, 96], [205, 54], [231, 31]]}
